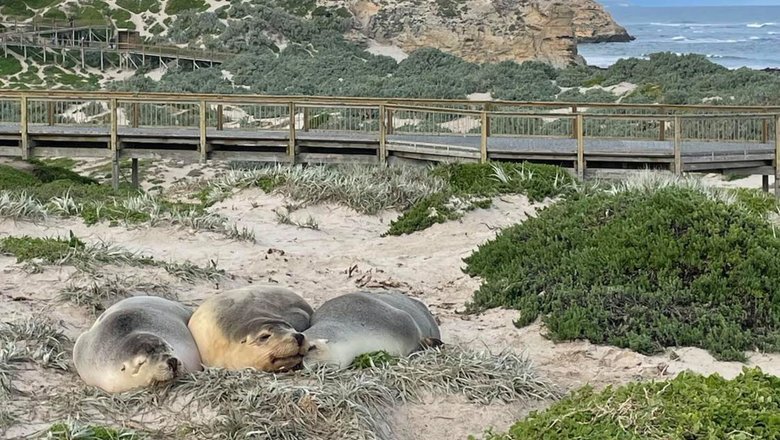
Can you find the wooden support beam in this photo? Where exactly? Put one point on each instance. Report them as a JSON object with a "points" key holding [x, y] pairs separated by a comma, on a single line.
{"points": [[580, 134], [389, 125], [134, 172], [483, 144], [382, 135], [202, 126], [678, 163], [765, 183], [114, 143], [306, 122], [23, 128], [220, 118], [291, 145]]}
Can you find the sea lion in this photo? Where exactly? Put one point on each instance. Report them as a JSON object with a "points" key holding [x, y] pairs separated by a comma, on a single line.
{"points": [[252, 327], [136, 342], [364, 322]]}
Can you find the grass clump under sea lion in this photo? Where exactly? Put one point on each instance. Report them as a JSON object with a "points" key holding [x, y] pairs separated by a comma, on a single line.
{"points": [[643, 268]]}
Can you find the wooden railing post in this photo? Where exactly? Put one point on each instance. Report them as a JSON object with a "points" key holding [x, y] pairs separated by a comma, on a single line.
{"points": [[114, 144], [136, 114], [220, 118], [291, 146], [765, 132], [678, 164], [777, 155], [202, 129], [23, 128], [483, 145], [50, 112], [306, 122], [389, 124], [382, 135], [580, 133], [574, 122], [662, 128], [487, 107]]}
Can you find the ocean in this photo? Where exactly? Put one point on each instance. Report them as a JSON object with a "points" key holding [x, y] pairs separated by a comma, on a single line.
{"points": [[734, 36]]}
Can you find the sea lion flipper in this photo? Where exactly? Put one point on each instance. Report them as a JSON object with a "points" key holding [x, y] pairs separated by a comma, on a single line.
{"points": [[426, 343]]}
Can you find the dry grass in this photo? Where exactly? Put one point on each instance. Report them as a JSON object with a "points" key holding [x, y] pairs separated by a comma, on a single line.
{"points": [[309, 404], [364, 188], [33, 340], [100, 291]]}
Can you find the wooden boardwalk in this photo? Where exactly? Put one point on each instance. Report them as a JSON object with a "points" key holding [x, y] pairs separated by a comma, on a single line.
{"points": [[315, 130]]}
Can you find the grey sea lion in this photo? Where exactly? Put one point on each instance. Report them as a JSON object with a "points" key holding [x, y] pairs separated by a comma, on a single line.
{"points": [[136, 342], [364, 322], [252, 327]]}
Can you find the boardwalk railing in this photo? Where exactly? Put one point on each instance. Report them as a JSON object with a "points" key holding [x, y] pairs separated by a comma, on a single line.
{"points": [[294, 129]]}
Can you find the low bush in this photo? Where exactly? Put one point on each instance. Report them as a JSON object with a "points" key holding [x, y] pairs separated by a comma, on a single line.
{"points": [[642, 269], [470, 186], [688, 407]]}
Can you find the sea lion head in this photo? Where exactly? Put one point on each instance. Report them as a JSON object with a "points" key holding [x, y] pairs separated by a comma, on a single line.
{"points": [[275, 346], [319, 352], [146, 359]]}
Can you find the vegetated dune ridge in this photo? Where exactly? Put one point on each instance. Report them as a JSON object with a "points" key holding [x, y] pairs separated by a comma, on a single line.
{"points": [[344, 254]]}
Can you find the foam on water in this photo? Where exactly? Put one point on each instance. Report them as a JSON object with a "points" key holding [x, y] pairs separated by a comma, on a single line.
{"points": [[746, 36]]}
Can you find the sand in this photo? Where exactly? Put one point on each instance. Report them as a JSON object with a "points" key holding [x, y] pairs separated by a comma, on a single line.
{"points": [[346, 253]]}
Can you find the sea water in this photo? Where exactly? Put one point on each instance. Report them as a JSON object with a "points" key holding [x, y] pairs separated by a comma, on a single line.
{"points": [[740, 36]]}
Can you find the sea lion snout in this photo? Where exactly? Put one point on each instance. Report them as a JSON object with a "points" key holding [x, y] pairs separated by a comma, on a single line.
{"points": [[173, 365], [299, 338]]}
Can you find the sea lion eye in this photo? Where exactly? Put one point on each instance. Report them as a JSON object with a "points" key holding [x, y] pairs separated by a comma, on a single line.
{"points": [[123, 368], [263, 338], [312, 348]]}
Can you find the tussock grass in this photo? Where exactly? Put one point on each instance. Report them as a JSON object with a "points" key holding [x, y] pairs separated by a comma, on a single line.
{"points": [[319, 403], [33, 340], [364, 188], [102, 291], [89, 257]]}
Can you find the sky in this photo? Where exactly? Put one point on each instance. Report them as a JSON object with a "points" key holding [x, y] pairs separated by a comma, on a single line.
{"points": [[664, 3]]}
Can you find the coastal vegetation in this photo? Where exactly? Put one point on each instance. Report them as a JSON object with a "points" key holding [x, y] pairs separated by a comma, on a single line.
{"points": [[687, 407], [645, 266]]}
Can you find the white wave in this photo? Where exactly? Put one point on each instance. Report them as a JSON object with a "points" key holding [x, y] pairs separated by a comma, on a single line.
{"points": [[680, 38], [760, 25]]}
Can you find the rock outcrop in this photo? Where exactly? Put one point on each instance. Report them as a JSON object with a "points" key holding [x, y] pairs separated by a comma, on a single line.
{"points": [[487, 30]]}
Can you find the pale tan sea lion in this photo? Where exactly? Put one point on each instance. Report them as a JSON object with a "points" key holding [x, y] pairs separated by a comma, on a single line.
{"points": [[364, 322], [252, 327], [136, 342]]}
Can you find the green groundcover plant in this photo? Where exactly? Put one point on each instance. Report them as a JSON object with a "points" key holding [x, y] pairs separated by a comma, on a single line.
{"points": [[469, 186], [688, 407], [641, 269]]}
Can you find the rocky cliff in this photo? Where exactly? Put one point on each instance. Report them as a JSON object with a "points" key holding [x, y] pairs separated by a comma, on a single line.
{"points": [[487, 30]]}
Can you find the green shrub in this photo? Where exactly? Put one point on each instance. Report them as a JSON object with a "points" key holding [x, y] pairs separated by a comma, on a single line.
{"points": [[175, 6], [687, 407], [50, 250], [12, 178], [424, 214], [641, 269], [487, 180], [9, 66]]}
